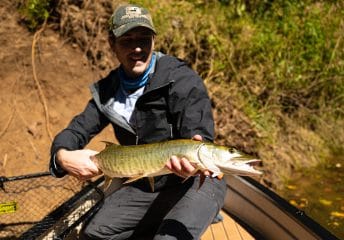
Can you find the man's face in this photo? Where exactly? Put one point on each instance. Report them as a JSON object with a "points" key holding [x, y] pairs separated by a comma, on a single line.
{"points": [[134, 50]]}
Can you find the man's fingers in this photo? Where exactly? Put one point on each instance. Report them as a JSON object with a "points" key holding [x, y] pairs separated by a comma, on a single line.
{"points": [[91, 152], [182, 167], [175, 164], [197, 137], [206, 173], [186, 166]]}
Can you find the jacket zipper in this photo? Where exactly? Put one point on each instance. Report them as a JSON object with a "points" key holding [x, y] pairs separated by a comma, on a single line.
{"points": [[171, 131], [144, 93]]}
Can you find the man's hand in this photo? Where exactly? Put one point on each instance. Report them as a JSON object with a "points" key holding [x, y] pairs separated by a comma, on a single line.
{"points": [[78, 163], [181, 166]]}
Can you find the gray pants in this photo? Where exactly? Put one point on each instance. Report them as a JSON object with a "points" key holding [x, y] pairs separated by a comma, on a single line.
{"points": [[174, 211]]}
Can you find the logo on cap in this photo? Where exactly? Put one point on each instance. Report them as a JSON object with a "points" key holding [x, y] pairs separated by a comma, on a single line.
{"points": [[134, 12]]}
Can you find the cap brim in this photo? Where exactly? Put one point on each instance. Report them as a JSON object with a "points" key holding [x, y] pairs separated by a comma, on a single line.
{"points": [[129, 26]]}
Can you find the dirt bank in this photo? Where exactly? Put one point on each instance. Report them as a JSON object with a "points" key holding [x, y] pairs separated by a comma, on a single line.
{"points": [[63, 73]]}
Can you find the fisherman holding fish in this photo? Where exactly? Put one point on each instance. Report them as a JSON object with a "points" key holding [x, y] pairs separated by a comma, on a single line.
{"points": [[151, 97]]}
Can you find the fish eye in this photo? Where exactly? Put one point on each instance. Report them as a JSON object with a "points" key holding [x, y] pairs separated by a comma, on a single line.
{"points": [[231, 150]]}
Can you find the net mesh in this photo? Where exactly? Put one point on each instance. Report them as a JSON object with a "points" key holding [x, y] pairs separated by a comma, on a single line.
{"points": [[42, 207]]}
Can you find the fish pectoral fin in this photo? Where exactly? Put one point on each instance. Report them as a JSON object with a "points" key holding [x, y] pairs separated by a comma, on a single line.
{"points": [[220, 176], [107, 143]]}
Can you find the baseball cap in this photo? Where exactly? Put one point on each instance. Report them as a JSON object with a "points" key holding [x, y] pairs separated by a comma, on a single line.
{"points": [[127, 17]]}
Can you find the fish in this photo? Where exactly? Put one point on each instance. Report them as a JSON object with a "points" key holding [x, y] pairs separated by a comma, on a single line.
{"points": [[148, 160]]}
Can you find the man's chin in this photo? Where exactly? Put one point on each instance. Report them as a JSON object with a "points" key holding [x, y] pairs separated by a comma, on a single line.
{"points": [[138, 69]]}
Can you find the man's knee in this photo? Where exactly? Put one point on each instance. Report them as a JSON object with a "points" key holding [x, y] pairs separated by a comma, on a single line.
{"points": [[94, 232], [88, 233], [165, 237]]}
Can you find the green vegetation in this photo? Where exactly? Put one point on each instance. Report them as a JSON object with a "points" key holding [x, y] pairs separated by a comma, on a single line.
{"points": [[280, 61], [35, 12]]}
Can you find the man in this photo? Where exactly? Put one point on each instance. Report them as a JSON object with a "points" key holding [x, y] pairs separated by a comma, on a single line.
{"points": [[150, 97]]}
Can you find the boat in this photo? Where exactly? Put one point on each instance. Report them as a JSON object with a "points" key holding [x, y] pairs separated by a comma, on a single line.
{"points": [[260, 214], [250, 211]]}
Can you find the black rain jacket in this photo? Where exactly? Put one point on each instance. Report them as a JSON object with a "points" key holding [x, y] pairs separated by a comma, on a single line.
{"points": [[174, 105]]}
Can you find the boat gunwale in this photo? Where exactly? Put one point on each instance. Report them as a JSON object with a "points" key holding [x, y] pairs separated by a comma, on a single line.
{"points": [[299, 216]]}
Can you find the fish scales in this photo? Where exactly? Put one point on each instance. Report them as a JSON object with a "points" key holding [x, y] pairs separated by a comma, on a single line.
{"points": [[149, 160], [124, 161]]}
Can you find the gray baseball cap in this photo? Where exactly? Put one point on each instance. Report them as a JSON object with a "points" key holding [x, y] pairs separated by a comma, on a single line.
{"points": [[127, 17]]}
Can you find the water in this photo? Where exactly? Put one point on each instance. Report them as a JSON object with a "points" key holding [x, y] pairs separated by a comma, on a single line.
{"points": [[320, 193]]}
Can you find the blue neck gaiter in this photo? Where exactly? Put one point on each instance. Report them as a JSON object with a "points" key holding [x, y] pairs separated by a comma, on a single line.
{"points": [[135, 83]]}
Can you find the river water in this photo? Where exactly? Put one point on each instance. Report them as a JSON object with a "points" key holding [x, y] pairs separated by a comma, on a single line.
{"points": [[319, 192]]}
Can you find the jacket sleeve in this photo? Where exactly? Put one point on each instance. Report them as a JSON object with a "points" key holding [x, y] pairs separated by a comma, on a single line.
{"points": [[79, 132], [190, 106]]}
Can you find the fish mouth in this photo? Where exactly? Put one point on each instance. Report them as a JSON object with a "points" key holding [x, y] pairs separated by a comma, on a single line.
{"points": [[252, 162], [244, 168], [247, 163]]}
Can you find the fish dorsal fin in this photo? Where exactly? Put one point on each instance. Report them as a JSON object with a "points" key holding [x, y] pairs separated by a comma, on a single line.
{"points": [[206, 158], [107, 143]]}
